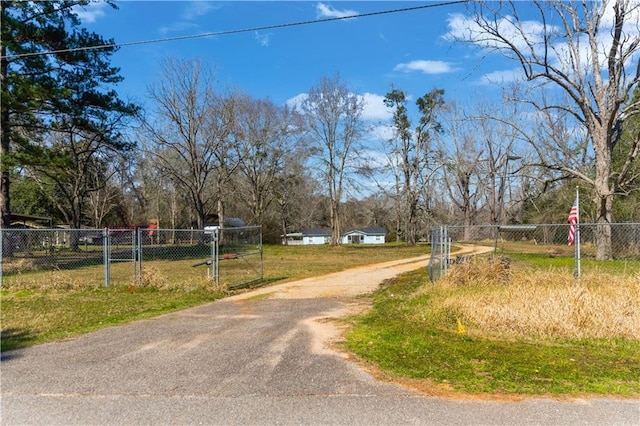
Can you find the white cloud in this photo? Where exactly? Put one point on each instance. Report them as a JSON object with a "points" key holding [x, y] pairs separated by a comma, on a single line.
{"points": [[426, 67], [325, 11], [178, 27], [504, 76], [91, 12], [381, 132], [195, 9], [465, 28], [375, 158], [187, 19], [262, 39], [296, 101], [374, 107]]}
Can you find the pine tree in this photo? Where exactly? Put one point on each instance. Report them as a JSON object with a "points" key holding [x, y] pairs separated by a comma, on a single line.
{"points": [[53, 83]]}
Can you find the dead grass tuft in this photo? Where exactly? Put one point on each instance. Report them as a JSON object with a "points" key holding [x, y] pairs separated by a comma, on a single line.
{"points": [[153, 277], [15, 265], [536, 303], [50, 280], [478, 271]]}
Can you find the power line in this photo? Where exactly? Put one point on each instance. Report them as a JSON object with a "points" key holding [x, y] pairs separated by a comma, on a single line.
{"points": [[243, 30]]}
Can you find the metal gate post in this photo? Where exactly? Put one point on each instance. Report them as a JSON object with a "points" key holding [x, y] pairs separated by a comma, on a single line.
{"points": [[106, 257], [446, 241], [214, 255], [138, 258], [1, 254], [261, 256]]}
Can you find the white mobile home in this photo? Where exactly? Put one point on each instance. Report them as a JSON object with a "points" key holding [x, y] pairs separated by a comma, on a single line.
{"points": [[371, 235], [316, 236], [313, 236]]}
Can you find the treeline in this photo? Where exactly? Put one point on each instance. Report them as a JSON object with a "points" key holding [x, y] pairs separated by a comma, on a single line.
{"points": [[74, 151]]}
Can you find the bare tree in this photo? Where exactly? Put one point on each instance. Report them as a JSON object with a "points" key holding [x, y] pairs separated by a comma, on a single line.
{"points": [[588, 51], [267, 136], [190, 134], [461, 155], [412, 153], [101, 202], [295, 193], [332, 115]]}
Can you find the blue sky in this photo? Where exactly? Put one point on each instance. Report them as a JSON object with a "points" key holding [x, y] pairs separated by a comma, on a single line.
{"points": [[408, 50]]}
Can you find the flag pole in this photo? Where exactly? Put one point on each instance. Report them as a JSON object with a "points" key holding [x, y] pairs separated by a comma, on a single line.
{"points": [[576, 260]]}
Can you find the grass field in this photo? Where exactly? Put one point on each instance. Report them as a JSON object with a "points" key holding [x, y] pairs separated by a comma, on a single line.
{"points": [[42, 306], [528, 329]]}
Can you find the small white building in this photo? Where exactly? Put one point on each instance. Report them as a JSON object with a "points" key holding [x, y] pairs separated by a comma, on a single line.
{"points": [[319, 236], [371, 235], [315, 236]]}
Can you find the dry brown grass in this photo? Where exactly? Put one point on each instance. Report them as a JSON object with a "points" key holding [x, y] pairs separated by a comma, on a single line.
{"points": [[49, 280], [154, 277], [12, 265], [536, 303]]}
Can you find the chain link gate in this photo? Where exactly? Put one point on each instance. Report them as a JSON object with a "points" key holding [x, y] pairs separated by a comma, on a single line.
{"points": [[232, 256], [120, 246], [440, 252]]}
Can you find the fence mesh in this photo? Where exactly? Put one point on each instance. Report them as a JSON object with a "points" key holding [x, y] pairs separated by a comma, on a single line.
{"points": [[52, 257], [542, 246], [440, 252], [193, 253], [549, 240], [64, 258]]}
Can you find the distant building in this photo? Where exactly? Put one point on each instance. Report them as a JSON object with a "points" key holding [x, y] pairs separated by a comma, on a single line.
{"points": [[30, 221], [212, 221], [318, 236], [371, 235], [315, 236]]}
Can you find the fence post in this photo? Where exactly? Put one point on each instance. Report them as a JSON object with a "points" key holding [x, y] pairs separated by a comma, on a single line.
{"points": [[214, 254], [261, 255], [138, 258], [106, 258], [446, 250], [443, 243], [1, 254]]}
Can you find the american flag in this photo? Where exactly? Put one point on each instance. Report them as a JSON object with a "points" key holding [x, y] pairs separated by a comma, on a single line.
{"points": [[573, 220]]}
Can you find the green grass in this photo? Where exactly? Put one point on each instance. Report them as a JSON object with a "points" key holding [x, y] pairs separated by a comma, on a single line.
{"points": [[31, 316], [44, 306], [296, 262], [544, 261], [409, 332], [401, 337]]}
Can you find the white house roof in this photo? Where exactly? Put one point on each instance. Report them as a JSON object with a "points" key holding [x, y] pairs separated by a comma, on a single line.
{"points": [[373, 230], [317, 232]]}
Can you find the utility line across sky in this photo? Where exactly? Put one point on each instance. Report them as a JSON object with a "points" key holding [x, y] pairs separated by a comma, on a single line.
{"points": [[237, 31]]}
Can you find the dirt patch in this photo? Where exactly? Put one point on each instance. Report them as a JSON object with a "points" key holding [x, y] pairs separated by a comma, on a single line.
{"points": [[349, 286]]}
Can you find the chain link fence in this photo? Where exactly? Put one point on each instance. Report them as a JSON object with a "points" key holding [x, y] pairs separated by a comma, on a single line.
{"points": [[230, 257], [68, 258], [549, 240], [540, 245], [440, 252]]}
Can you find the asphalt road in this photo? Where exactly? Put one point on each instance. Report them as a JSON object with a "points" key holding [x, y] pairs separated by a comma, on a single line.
{"points": [[261, 358]]}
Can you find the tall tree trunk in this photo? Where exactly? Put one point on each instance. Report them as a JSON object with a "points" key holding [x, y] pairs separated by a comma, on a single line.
{"points": [[468, 223], [76, 212], [603, 198], [283, 222], [335, 222]]}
